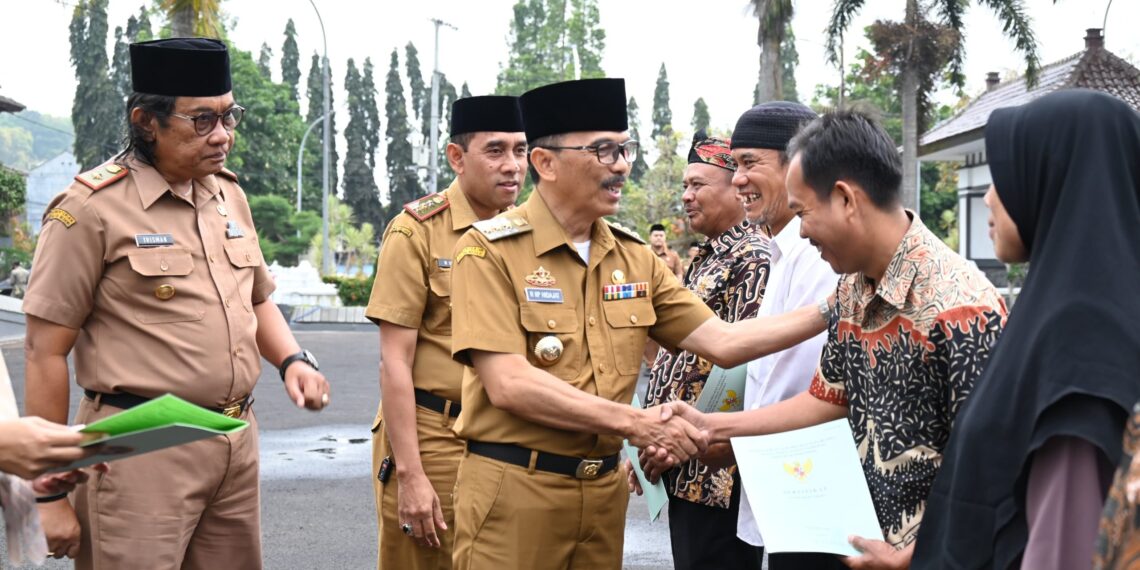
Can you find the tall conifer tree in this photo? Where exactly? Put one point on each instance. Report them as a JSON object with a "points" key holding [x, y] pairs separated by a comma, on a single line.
{"points": [[96, 111], [403, 182], [360, 190], [662, 114], [291, 60]]}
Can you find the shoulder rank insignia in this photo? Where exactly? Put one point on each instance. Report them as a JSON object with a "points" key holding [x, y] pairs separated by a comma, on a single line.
{"points": [[60, 215], [228, 175], [398, 229], [624, 231], [102, 176], [502, 226], [427, 206]]}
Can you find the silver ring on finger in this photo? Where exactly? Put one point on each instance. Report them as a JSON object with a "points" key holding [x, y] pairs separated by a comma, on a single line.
{"points": [[407, 528]]}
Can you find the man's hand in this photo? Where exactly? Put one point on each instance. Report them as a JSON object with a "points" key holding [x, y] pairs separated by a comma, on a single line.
{"points": [[675, 435], [655, 462], [419, 507], [61, 528], [718, 456], [878, 555], [631, 479], [306, 387], [56, 483], [31, 446]]}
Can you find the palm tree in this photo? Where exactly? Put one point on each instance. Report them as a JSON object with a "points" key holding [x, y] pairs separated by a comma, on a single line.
{"points": [[193, 18], [773, 17], [916, 51]]}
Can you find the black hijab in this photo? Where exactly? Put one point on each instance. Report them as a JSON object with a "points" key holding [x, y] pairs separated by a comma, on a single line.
{"points": [[1067, 169]]}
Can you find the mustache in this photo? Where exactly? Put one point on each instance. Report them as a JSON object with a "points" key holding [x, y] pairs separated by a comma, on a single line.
{"points": [[613, 181]]}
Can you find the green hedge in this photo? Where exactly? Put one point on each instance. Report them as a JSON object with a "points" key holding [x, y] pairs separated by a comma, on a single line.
{"points": [[353, 291]]}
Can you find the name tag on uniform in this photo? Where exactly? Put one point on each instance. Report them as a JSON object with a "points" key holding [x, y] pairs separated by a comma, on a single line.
{"points": [[233, 230], [443, 263], [153, 240], [625, 291], [543, 295]]}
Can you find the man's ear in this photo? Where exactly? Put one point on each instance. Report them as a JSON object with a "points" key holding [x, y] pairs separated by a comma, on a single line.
{"points": [[454, 154], [849, 196], [145, 121], [544, 162]]}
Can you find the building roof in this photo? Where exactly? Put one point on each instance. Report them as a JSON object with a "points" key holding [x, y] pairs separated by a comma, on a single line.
{"points": [[1092, 68], [9, 105]]}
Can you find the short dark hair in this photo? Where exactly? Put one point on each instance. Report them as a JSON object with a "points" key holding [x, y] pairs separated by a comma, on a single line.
{"points": [[657, 228], [849, 145], [137, 142], [549, 140], [695, 244], [463, 140]]}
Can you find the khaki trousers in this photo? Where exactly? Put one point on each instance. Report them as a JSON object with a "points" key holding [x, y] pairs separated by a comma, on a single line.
{"points": [[511, 517], [193, 507], [440, 452]]}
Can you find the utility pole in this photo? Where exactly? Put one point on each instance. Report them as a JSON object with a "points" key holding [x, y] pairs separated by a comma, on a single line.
{"points": [[327, 144], [433, 150]]}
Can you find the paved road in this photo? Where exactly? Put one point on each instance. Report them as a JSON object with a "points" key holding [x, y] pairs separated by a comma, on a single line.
{"points": [[317, 504]]}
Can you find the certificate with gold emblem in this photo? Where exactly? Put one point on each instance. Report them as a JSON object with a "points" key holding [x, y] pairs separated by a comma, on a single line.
{"points": [[807, 489]]}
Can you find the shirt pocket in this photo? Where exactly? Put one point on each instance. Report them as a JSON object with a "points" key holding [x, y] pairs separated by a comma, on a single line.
{"points": [[629, 321], [437, 316], [161, 291], [560, 322], [244, 256]]}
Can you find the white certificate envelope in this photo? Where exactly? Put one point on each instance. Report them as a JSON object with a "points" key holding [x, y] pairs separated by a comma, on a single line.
{"points": [[807, 490]]}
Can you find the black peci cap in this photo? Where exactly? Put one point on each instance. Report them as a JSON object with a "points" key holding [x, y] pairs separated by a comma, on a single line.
{"points": [[489, 113], [770, 125], [574, 106], [181, 67]]}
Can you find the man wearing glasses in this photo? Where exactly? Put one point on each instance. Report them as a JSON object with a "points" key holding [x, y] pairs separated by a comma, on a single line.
{"points": [[149, 267], [552, 317]]}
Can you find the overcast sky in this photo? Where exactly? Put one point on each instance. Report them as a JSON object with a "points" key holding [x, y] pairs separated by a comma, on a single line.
{"points": [[708, 46]]}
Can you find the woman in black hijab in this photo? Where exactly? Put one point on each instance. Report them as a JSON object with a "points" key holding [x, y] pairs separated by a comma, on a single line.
{"points": [[1046, 417]]}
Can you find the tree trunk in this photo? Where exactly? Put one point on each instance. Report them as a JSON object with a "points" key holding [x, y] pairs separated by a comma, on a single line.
{"points": [[909, 78], [182, 23], [771, 84]]}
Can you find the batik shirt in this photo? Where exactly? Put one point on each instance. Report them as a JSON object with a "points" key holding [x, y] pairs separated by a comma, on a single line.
{"points": [[729, 274], [1118, 543], [903, 355]]}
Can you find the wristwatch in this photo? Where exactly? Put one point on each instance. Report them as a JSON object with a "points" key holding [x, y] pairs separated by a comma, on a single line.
{"points": [[826, 311], [304, 356]]}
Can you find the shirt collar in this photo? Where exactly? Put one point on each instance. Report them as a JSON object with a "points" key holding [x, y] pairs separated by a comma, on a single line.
{"points": [[784, 242], [549, 234], [899, 276], [151, 185], [462, 214], [722, 243]]}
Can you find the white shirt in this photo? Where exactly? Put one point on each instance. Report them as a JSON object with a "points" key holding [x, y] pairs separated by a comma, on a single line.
{"points": [[583, 250], [798, 276]]}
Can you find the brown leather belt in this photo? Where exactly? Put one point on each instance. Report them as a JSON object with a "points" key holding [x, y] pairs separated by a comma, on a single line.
{"points": [[126, 401], [436, 404], [551, 462]]}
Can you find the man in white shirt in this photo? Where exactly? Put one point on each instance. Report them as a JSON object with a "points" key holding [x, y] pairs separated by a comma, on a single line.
{"points": [[798, 276]]}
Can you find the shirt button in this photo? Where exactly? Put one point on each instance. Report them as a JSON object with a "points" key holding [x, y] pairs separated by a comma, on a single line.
{"points": [[248, 257], [551, 323], [237, 352], [211, 258], [593, 321], [633, 319], [602, 368], [227, 302]]}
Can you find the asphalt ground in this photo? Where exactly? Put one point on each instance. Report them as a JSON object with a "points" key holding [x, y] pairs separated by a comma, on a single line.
{"points": [[316, 493]]}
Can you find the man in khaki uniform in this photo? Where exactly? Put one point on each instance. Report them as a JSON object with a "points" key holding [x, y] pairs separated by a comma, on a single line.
{"points": [[553, 314], [666, 253], [411, 301], [149, 267]]}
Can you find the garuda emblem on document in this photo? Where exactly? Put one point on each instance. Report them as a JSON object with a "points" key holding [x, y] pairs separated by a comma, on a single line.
{"points": [[798, 470]]}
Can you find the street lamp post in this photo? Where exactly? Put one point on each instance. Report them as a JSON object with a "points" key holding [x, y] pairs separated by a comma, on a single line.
{"points": [[327, 138], [433, 137], [300, 153]]}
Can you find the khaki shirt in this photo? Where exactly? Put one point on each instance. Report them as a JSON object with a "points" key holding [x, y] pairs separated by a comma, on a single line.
{"points": [[413, 284], [672, 260], [153, 318], [500, 282]]}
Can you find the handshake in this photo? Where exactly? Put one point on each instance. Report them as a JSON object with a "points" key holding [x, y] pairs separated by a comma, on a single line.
{"points": [[669, 435]]}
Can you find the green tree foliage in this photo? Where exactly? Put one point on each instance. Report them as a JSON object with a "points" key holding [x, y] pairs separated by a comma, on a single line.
{"points": [[96, 112], [291, 60], [700, 115], [403, 182], [311, 180], [789, 60], [187, 18], [639, 167], [418, 91], [657, 198], [551, 41], [284, 234], [360, 191], [662, 114], [28, 138], [264, 154], [371, 112], [265, 62], [13, 190]]}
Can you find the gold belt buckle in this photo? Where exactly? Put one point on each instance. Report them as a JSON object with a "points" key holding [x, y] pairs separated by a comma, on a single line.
{"points": [[589, 469], [232, 410]]}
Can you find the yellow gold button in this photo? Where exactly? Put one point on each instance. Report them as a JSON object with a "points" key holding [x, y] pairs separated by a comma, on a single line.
{"points": [[633, 319], [551, 323], [164, 292], [602, 368], [593, 321], [548, 349]]}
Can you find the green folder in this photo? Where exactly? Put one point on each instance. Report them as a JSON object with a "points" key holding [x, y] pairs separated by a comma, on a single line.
{"points": [[655, 495], [163, 422]]}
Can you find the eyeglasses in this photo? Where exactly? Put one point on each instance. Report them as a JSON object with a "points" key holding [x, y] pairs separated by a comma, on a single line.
{"points": [[607, 152], [205, 122]]}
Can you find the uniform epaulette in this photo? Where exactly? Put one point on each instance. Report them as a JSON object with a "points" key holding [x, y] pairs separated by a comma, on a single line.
{"points": [[102, 176], [228, 174], [427, 206], [624, 231], [502, 226]]}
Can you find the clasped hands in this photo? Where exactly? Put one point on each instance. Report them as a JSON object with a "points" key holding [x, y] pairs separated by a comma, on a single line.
{"points": [[673, 434]]}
